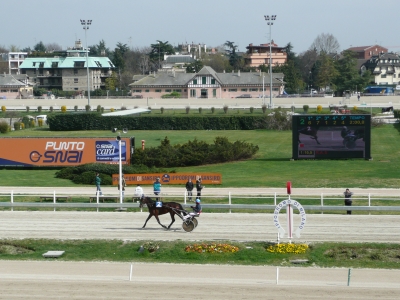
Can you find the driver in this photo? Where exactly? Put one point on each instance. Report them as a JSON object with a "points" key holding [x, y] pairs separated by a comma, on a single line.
{"points": [[196, 210]]}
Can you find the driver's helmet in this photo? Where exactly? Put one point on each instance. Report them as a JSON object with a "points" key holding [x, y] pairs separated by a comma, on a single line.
{"points": [[198, 201]]}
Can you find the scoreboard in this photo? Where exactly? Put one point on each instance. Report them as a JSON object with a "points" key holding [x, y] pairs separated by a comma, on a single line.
{"points": [[331, 136]]}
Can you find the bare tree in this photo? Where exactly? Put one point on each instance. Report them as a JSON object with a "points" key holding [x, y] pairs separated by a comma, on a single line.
{"points": [[14, 48], [326, 43], [53, 47], [3, 49], [306, 62]]}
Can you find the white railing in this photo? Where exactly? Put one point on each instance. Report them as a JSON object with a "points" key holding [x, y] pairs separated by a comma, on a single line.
{"points": [[219, 201]]}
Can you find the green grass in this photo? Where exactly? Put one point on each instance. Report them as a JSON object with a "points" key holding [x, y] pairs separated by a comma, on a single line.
{"points": [[366, 255], [271, 166]]}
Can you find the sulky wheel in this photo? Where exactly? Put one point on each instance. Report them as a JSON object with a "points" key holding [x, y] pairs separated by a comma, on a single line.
{"points": [[350, 144], [188, 225], [194, 220]]}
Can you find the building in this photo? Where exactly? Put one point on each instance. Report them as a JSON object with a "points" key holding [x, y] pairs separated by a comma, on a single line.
{"points": [[68, 71], [14, 60], [207, 84], [259, 55], [366, 52], [384, 67], [14, 86]]}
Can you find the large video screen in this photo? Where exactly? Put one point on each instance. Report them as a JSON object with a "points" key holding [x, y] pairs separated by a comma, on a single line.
{"points": [[331, 136]]}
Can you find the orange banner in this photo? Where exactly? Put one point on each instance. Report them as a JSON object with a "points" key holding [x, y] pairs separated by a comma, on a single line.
{"points": [[62, 151], [169, 178]]}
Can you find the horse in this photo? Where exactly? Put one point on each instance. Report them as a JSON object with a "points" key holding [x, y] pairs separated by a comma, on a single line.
{"points": [[172, 208], [311, 131]]}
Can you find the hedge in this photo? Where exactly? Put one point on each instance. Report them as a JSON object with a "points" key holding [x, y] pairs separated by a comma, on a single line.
{"points": [[94, 121]]}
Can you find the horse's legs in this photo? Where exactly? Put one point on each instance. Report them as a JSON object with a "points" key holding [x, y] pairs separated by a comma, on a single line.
{"points": [[172, 217], [148, 218], [316, 139], [158, 220]]}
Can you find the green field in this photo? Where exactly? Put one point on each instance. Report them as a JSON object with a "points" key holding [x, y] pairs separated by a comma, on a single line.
{"points": [[271, 166]]}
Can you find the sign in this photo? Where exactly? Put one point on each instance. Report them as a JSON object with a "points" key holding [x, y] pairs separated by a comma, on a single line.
{"points": [[65, 152], [289, 204], [169, 178], [331, 136]]}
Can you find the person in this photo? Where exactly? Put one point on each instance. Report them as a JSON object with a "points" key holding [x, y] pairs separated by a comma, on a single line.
{"points": [[139, 192], [123, 186], [189, 188], [358, 96], [157, 186], [196, 210], [98, 182], [199, 187], [347, 199]]}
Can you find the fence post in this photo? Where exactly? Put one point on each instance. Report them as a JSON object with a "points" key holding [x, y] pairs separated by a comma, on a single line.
{"points": [[275, 198], [369, 202], [185, 197], [229, 201], [12, 200], [54, 199], [322, 202]]}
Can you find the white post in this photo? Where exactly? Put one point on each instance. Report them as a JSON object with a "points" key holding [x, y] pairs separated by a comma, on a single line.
{"points": [[185, 197], [54, 199], [275, 199], [369, 201], [289, 217], [12, 200], [277, 275], [130, 273], [230, 201], [322, 202]]}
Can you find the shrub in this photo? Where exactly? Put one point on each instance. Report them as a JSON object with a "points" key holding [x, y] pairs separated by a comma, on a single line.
{"points": [[319, 108], [63, 108], [17, 125], [26, 121], [87, 107], [32, 124], [102, 109], [251, 109], [98, 108], [51, 109], [3, 127], [355, 107], [187, 109], [200, 110], [288, 248], [39, 109], [76, 108], [264, 108], [27, 109], [292, 108], [226, 108], [40, 122], [112, 109], [3, 108], [123, 107], [212, 109], [305, 108], [162, 110]]}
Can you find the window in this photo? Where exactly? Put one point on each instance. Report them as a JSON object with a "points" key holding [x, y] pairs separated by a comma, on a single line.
{"points": [[168, 90], [232, 90], [212, 80], [194, 81], [137, 91], [394, 75], [253, 90], [75, 71], [184, 90], [147, 91], [41, 64], [203, 80], [79, 64], [158, 91], [214, 92], [54, 64], [383, 75], [178, 90], [75, 80], [243, 90], [75, 89]]}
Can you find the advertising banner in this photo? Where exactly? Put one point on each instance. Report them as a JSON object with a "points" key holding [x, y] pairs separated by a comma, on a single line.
{"points": [[28, 152], [169, 178]]}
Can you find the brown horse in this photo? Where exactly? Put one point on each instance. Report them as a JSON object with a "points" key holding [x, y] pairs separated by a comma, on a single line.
{"points": [[311, 131], [172, 208]]}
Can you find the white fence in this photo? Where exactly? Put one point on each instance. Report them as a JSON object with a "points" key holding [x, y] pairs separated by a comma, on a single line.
{"points": [[226, 201]]}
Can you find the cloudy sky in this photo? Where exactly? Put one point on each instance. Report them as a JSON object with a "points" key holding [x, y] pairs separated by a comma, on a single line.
{"points": [[139, 23]]}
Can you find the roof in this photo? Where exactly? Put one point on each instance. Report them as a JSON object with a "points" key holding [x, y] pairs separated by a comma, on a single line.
{"points": [[7, 80], [66, 62], [173, 59], [364, 48], [224, 79]]}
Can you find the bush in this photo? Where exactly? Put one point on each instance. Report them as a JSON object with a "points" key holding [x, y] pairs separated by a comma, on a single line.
{"points": [[264, 108], [32, 124], [112, 109], [87, 107], [3, 108], [51, 109], [26, 121], [39, 109], [27, 109], [305, 108], [200, 110], [251, 109], [162, 110], [76, 108], [63, 108], [3, 127], [98, 108], [40, 122], [17, 125], [187, 109], [226, 108], [319, 108], [212, 109]]}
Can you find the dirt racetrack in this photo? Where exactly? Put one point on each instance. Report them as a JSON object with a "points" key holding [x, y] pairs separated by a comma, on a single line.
{"points": [[104, 280]]}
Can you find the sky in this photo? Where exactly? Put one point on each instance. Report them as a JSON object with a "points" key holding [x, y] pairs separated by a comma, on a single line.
{"points": [[139, 23]]}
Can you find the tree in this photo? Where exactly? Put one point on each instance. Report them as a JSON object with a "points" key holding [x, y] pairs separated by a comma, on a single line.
{"points": [[234, 59], [39, 47], [118, 56], [218, 61], [14, 48], [194, 67], [111, 82], [327, 71], [306, 65], [53, 47], [325, 43], [99, 49], [158, 51]]}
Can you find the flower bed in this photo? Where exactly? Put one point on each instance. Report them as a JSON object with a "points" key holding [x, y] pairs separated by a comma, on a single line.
{"points": [[288, 248], [212, 248]]}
